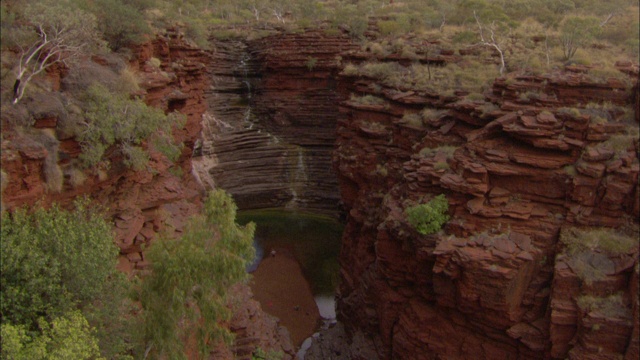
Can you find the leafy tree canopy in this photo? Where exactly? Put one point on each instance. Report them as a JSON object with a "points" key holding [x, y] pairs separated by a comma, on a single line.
{"points": [[53, 260], [58, 282], [184, 297]]}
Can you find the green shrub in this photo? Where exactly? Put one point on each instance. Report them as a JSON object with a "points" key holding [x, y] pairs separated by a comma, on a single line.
{"points": [[114, 119], [465, 37], [311, 62], [120, 22], [390, 27], [260, 354], [428, 218]]}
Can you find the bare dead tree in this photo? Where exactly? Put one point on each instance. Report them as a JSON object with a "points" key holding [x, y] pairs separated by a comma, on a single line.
{"points": [[492, 43]]}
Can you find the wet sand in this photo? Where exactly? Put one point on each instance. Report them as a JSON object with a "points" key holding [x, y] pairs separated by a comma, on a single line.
{"points": [[282, 290]]}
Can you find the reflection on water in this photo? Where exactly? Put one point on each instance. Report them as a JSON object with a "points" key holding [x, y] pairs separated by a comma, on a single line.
{"points": [[327, 307], [259, 255], [313, 240]]}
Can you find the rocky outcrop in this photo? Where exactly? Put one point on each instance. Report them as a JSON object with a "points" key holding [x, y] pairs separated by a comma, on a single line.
{"points": [[270, 130], [516, 169], [139, 202]]}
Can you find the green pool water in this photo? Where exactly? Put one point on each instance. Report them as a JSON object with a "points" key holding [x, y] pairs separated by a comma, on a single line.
{"points": [[313, 240]]}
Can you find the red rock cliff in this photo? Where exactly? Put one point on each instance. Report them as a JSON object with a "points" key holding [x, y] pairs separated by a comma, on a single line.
{"points": [[496, 283]]}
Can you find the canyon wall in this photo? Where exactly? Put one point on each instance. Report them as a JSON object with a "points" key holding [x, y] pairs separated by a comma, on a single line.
{"points": [[496, 282], [173, 75], [269, 133], [267, 120], [139, 202]]}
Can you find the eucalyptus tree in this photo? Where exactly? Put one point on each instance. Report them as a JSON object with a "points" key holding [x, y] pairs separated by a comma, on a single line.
{"points": [[47, 33]]}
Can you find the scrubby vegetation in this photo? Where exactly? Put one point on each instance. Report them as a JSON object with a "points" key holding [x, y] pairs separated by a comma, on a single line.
{"points": [[589, 249], [428, 218], [62, 297], [111, 118], [59, 284]]}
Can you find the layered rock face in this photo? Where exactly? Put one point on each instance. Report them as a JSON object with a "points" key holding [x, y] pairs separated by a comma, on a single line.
{"points": [[496, 283], [270, 131]]}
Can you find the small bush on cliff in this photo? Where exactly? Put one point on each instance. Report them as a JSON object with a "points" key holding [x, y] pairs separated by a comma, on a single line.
{"points": [[184, 297], [428, 218]]}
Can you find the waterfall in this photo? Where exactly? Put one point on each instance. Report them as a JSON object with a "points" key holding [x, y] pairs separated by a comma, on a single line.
{"points": [[298, 178]]}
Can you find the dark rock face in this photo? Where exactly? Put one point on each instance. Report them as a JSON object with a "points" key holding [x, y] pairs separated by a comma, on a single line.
{"points": [[269, 134]]}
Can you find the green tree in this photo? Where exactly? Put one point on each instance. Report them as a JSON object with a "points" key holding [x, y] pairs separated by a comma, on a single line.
{"points": [[184, 296], [54, 264], [428, 218], [53, 260], [576, 32]]}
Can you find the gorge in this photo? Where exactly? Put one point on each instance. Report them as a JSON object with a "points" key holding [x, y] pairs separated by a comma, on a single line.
{"points": [[528, 168]]}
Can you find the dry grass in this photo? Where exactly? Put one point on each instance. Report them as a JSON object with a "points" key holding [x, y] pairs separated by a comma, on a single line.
{"points": [[129, 81], [447, 150], [588, 250], [612, 306], [53, 174], [4, 180], [367, 100], [76, 177], [610, 240], [412, 119]]}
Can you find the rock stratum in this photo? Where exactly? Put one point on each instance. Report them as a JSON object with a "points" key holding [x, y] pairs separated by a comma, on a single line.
{"points": [[270, 128]]}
